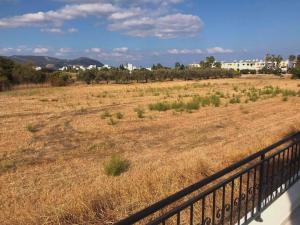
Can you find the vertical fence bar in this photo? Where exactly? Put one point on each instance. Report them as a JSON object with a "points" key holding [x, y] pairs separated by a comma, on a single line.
{"points": [[232, 202], [292, 180], [247, 196], [267, 185], [223, 204], [254, 191], [282, 172], [240, 200], [289, 167], [203, 211], [277, 175], [273, 176], [178, 218], [214, 208], [192, 214], [298, 159], [260, 188]]}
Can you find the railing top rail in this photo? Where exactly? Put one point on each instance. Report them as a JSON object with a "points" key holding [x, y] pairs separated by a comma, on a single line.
{"points": [[190, 189]]}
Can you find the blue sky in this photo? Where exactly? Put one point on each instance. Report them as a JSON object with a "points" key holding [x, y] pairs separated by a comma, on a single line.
{"points": [[144, 32]]}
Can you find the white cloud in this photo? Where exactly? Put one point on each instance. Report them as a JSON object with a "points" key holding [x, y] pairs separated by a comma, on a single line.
{"points": [[140, 18], [69, 12], [121, 15], [65, 50], [57, 30], [218, 50], [169, 26], [121, 50], [93, 50], [121, 54], [52, 30], [185, 51], [15, 50], [73, 30], [40, 50]]}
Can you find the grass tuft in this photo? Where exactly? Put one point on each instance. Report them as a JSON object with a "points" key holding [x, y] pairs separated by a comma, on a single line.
{"points": [[116, 166], [140, 112], [119, 115]]}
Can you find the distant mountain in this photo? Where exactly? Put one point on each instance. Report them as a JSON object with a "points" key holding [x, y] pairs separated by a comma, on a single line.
{"points": [[45, 61]]}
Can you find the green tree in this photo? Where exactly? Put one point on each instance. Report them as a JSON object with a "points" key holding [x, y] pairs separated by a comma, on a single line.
{"points": [[298, 61], [210, 60], [177, 65], [218, 65], [7, 67], [278, 59], [60, 78], [292, 58]]}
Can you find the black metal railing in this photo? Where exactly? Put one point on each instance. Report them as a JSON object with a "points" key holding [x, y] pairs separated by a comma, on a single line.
{"points": [[235, 195]]}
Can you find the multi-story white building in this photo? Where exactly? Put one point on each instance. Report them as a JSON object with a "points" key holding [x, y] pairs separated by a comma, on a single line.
{"points": [[255, 65]]}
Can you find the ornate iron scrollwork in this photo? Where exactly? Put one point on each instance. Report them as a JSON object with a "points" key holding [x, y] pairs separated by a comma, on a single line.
{"points": [[207, 221]]}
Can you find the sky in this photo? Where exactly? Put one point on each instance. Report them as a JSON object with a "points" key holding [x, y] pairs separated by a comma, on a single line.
{"points": [[144, 32]]}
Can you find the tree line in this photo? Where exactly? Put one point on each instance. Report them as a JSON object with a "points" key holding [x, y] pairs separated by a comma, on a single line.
{"points": [[12, 73], [118, 75]]}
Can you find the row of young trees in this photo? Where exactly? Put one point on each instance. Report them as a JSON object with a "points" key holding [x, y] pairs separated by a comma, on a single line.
{"points": [[162, 74]]}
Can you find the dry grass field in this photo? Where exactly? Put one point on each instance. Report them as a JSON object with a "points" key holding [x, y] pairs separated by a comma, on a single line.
{"points": [[54, 143]]}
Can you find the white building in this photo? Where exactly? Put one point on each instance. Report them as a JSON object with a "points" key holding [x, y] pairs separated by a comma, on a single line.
{"points": [[78, 67], [130, 67], [255, 65], [63, 68], [38, 68], [91, 67], [194, 65], [106, 66]]}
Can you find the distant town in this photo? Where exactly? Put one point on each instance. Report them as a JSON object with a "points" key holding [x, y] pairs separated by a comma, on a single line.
{"points": [[237, 65]]}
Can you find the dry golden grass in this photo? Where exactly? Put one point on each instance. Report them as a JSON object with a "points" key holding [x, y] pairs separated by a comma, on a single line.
{"points": [[55, 141]]}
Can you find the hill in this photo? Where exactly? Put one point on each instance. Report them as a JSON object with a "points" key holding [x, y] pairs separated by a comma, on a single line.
{"points": [[44, 61]]}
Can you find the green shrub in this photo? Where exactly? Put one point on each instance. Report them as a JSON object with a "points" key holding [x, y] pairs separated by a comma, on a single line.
{"points": [[247, 71], [140, 112], [31, 128], [116, 165], [111, 121], [192, 105], [178, 106], [60, 78], [4, 83], [215, 100], [160, 106], [253, 96], [295, 73], [287, 92], [235, 100], [105, 114], [119, 115], [220, 94]]}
